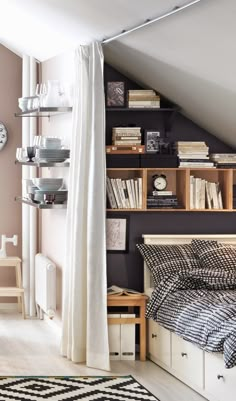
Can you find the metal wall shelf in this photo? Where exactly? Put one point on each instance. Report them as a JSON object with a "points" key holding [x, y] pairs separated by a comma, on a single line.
{"points": [[44, 112], [43, 164], [40, 205]]}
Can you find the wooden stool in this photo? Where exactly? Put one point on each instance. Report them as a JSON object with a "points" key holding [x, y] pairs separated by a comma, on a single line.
{"points": [[17, 291], [131, 301]]}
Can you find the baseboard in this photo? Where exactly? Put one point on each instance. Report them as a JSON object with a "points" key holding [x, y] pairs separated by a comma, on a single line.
{"points": [[8, 306]]}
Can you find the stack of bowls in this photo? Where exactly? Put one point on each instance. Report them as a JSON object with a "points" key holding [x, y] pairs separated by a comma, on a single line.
{"points": [[48, 184]]}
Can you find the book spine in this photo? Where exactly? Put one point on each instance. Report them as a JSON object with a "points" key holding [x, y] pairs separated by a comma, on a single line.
{"points": [[126, 138], [202, 198], [133, 193], [111, 195], [136, 192], [116, 192], [140, 192], [144, 98], [131, 201], [129, 142], [121, 192], [126, 194], [191, 206], [214, 195]]}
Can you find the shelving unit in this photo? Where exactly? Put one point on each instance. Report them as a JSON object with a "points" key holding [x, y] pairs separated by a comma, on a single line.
{"points": [[40, 205], [44, 112], [178, 180], [43, 164]]}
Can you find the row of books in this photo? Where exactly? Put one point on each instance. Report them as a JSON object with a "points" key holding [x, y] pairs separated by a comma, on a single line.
{"points": [[122, 136], [224, 160], [193, 154], [143, 98], [125, 194], [204, 194]]}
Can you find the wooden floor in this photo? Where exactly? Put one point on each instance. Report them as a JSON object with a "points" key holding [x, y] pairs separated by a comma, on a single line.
{"points": [[31, 347]]}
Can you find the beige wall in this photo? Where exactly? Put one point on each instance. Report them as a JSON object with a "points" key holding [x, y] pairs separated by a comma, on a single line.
{"points": [[53, 222], [10, 174]]}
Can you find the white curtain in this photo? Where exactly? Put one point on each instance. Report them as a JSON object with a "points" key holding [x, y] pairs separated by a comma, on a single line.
{"points": [[85, 331]]}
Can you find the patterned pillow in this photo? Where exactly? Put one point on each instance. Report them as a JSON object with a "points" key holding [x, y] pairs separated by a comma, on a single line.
{"points": [[166, 260], [216, 256]]}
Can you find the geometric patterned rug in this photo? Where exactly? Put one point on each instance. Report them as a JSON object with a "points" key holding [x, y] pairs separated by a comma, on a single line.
{"points": [[73, 388]]}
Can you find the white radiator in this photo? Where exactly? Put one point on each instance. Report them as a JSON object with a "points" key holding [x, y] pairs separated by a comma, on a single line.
{"points": [[45, 286]]}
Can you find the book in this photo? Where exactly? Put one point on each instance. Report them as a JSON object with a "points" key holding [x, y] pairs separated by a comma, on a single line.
{"points": [[111, 195], [115, 290]]}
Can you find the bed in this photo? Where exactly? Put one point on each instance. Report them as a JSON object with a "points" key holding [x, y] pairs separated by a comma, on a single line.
{"points": [[192, 310]]}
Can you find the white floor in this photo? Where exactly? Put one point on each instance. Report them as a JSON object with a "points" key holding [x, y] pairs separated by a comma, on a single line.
{"points": [[31, 347]]}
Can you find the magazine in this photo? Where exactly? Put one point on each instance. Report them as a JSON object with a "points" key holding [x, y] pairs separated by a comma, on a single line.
{"points": [[115, 290]]}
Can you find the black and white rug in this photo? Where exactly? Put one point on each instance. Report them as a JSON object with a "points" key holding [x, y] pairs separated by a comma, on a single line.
{"points": [[73, 388]]}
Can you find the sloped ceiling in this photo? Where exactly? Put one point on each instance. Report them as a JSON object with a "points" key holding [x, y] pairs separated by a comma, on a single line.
{"points": [[189, 57]]}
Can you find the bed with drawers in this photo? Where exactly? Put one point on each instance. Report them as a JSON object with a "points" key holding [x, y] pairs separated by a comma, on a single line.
{"points": [[191, 282]]}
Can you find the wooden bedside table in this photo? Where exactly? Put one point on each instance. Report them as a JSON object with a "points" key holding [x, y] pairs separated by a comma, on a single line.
{"points": [[131, 301]]}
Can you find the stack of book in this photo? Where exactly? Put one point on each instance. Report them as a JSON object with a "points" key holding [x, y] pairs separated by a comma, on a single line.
{"points": [[143, 98], [234, 196], [162, 199], [204, 194], [123, 136], [224, 160], [193, 154], [125, 194]]}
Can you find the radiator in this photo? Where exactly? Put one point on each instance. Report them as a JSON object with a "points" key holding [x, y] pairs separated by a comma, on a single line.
{"points": [[45, 286]]}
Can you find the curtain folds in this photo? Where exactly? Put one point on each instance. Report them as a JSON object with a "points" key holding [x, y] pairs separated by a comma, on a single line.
{"points": [[85, 331]]}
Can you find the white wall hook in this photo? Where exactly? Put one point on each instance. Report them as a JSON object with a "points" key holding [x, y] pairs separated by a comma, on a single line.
{"points": [[6, 239]]}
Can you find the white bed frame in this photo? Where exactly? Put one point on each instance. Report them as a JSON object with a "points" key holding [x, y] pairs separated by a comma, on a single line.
{"points": [[202, 371]]}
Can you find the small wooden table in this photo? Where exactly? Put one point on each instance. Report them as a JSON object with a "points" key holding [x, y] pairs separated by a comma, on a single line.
{"points": [[131, 301]]}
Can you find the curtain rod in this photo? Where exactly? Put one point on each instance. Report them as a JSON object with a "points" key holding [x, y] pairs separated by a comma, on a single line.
{"points": [[150, 21]]}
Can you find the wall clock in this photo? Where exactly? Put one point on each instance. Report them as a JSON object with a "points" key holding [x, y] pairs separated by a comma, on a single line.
{"points": [[3, 135]]}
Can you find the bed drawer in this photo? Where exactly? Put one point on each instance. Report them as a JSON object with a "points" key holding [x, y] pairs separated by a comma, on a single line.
{"points": [[187, 361], [159, 349], [219, 382]]}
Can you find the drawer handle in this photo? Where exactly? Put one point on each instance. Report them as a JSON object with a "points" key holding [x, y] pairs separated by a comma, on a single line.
{"points": [[220, 377], [154, 335], [184, 354]]}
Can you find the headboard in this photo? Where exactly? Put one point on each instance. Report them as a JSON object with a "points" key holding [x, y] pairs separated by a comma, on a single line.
{"points": [[229, 239]]}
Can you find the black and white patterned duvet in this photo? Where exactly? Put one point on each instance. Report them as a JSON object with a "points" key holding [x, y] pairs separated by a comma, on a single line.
{"points": [[204, 317]]}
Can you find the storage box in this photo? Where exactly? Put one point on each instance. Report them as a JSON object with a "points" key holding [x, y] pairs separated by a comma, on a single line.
{"points": [[158, 160], [121, 338]]}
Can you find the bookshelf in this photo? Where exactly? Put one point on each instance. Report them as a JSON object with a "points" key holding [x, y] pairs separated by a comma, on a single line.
{"points": [[178, 181]]}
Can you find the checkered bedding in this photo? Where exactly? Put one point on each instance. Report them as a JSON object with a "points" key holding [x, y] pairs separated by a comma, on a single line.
{"points": [[204, 317]]}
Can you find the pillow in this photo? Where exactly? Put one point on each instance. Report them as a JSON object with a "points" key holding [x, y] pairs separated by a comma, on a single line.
{"points": [[216, 256], [165, 260]]}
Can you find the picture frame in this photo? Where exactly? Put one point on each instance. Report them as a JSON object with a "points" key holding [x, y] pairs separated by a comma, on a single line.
{"points": [[117, 234], [115, 94], [152, 140]]}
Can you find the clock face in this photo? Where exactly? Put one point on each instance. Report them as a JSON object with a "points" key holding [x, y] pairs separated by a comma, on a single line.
{"points": [[160, 183], [3, 136]]}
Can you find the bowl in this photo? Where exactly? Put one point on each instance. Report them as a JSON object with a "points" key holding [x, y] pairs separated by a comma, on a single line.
{"points": [[48, 184]]}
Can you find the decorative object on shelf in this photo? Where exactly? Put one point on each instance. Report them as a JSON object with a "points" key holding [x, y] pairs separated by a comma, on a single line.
{"points": [[159, 182], [117, 234], [4, 240], [52, 97], [115, 94], [152, 141], [3, 135], [126, 149]]}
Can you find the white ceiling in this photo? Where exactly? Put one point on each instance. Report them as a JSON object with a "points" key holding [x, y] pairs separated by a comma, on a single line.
{"points": [[46, 28], [190, 57]]}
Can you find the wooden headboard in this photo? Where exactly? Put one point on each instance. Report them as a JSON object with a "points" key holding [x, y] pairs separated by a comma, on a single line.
{"points": [[229, 239]]}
